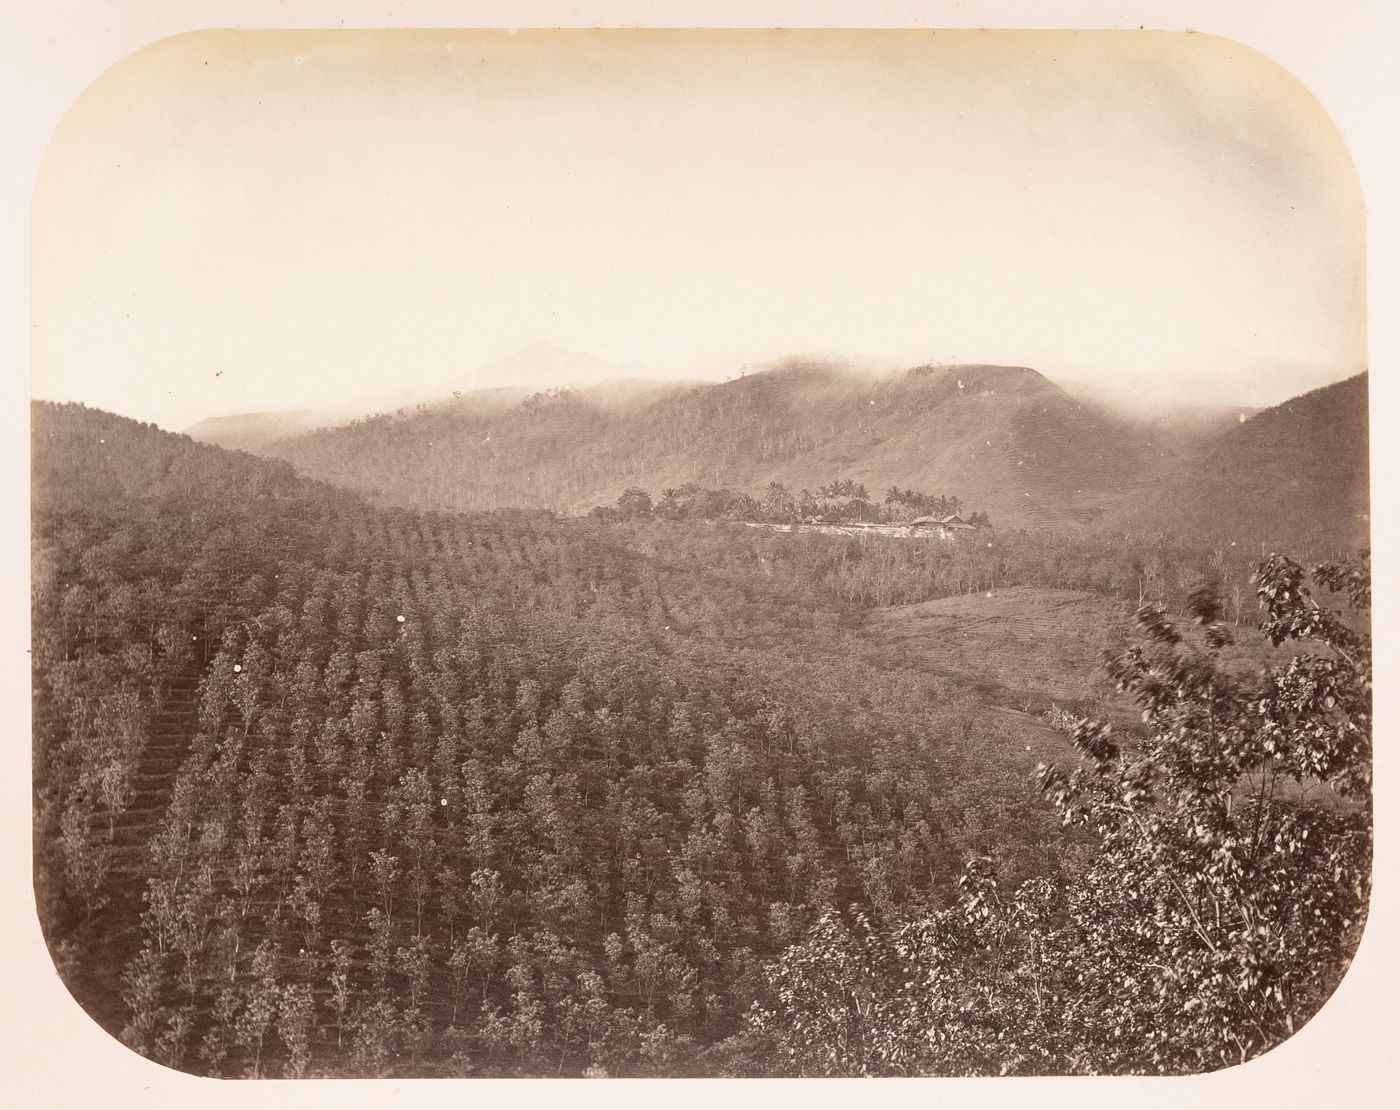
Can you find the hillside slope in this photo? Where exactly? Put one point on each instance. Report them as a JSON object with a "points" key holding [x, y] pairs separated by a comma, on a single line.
{"points": [[83, 458], [1003, 439], [1295, 477], [254, 431], [303, 757], [536, 368]]}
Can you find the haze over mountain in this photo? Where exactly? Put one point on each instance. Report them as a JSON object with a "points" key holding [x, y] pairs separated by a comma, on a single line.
{"points": [[1294, 474], [538, 367], [1156, 407], [253, 431], [1157, 211], [546, 366], [1004, 439]]}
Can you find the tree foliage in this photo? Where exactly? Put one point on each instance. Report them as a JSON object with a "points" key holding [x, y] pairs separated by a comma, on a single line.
{"points": [[325, 788], [1218, 907]]}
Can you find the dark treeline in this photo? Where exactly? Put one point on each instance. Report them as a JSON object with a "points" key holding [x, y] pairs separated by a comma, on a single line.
{"points": [[325, 788], [842, 500]]}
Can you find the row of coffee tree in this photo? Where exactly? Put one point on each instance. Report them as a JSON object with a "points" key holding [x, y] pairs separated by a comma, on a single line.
{"points": [[324, 789]]}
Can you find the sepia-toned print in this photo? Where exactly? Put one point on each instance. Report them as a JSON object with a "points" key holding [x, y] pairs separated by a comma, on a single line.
{"points": [[700, 554]]}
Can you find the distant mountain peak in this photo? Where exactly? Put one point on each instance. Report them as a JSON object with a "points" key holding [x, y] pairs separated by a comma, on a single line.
{"points": [[542, 365], [545, 347]]}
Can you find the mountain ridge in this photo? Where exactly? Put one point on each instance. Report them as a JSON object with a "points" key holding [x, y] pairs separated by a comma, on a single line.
{"points": [[1005, 439], [1295, 473], [540, 367]]}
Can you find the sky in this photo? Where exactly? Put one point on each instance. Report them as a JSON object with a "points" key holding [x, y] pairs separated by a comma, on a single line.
{"points": [[242, 221]]}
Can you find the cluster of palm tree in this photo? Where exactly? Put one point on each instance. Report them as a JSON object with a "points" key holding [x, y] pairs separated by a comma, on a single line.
{"points": [[847, 499], [915, 504], [842, 499], [693, 500]]}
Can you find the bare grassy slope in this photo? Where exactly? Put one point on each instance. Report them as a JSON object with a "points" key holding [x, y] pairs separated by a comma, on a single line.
{"points": [[1022, 650], [1019, 646]]}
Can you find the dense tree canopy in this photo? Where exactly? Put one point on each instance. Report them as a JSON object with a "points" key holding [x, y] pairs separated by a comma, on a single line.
{"points": [[329, 788]]}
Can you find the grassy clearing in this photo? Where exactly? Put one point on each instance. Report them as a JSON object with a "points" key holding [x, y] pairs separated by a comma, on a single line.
{"points": [[1024, 649], [1020, 648]]}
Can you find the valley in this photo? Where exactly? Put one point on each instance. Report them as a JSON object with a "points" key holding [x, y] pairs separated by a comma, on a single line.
{"points": [[331, 784]]}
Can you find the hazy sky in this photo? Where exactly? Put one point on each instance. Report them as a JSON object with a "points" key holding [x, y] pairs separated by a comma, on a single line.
{"points": [[249, 220]]}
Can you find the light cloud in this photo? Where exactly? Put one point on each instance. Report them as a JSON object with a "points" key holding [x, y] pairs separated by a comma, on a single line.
{"points": [[255, 220]]}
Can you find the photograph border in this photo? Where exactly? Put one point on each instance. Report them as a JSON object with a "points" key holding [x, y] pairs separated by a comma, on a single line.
{"points": [[58, 1056]]}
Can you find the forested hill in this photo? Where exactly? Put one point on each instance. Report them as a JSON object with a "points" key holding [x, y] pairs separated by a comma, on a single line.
{"points": [[1003, 438], [323, 787], [1292, 477], [83, 457], [329, 788], [253, 431]]}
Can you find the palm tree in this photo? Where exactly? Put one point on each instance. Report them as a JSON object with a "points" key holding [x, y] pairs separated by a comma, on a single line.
{"points": [[777, 502], [669, 507]]}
